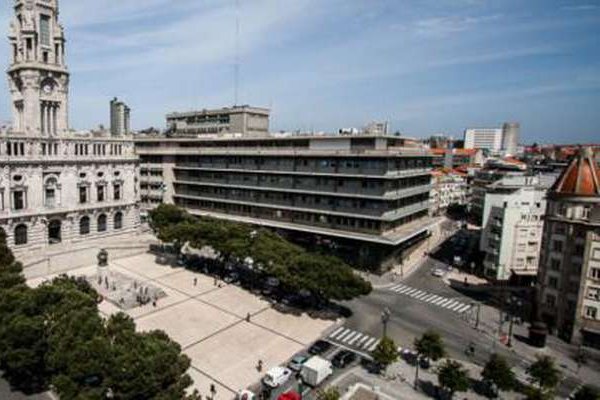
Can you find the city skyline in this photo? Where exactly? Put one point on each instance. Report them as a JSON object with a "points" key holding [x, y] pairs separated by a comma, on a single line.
{"points": [[327, 66]]}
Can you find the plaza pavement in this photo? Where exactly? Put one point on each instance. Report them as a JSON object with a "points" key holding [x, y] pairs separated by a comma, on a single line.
{"points": [[209, 322]]}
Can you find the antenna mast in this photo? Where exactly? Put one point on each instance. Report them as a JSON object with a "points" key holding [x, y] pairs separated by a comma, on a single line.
{"points": [[236, 67]]}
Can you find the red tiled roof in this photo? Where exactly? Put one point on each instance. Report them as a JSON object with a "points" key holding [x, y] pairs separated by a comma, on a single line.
{"points": [[581, 177]]}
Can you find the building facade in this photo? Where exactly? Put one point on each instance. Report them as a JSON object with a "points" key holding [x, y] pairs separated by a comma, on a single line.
{"points": [[241, 120], [448, 188], [368, 195], [120, 115], [504, 140], [56, 186], [511, 233], [569, 278]]}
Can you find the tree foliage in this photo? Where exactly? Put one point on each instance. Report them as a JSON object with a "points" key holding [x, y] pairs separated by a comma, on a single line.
{"points": [[386, 351], [430, 345], [331, 393], [544, 373], [453, 377], [296, 268], [498, 371], [54, 334]]}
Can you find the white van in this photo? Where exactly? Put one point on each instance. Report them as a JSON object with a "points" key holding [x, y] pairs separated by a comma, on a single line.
{"points": [[277, 376]]}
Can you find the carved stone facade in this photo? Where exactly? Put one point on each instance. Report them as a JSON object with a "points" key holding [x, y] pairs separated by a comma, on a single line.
{"points": [[55, 185]]}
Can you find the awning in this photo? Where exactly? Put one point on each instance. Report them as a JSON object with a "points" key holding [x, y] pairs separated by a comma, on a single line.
{"points": [[525, 272]]}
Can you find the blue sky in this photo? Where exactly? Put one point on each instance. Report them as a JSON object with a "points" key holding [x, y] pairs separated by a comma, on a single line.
{"points": [[427, 66]]}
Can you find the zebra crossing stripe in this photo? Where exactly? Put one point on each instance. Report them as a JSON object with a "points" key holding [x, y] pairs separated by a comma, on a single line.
{"points": [[404, 290], [337, 332], [434, 299], [368, 343], [397, 287], [350, 337], [439, 301], [409, 292], [348, 331], [417, 293], [362, 341], [451, 304], [422, 296], [463, 308], [373, 346], [456, 307], [443, 303], [427, 298], [360, 335]]}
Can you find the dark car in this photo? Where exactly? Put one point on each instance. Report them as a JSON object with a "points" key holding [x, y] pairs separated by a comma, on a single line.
{"points": [[371, 366], [343, 359], [319, 347]]}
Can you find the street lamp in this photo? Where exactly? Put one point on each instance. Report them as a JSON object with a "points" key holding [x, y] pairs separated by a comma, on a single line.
{"points": [[512, 302], [385, 317]]}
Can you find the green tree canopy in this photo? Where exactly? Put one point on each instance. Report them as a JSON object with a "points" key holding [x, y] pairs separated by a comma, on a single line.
{"points": [[296, 268], [386, 351], [544, 373], [498, 371], [430, 345], [453, 377], [587, 392], [331, 393]]}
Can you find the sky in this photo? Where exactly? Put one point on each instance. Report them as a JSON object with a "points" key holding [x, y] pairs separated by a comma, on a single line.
{"points": [[426, 66]]}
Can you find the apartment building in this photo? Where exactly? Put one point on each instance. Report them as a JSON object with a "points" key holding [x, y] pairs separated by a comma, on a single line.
{"points": [[448, 188], [569, 277], [120, 115], [241, 120], [504, 140], [511, 234], [365, 196]]}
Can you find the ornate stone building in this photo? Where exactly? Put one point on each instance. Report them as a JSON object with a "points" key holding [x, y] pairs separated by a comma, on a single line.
{"points": [[56, 185]]}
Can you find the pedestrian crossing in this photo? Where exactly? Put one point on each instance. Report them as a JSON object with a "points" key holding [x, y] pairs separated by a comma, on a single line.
{"points": [[354, 339], [449, 304]]}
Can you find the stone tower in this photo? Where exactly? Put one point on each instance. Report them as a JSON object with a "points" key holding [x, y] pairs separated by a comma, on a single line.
{"points": [[38, 77]]}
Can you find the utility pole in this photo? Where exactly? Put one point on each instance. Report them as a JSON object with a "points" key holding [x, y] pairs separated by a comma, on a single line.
{"points": [[385, 317]]}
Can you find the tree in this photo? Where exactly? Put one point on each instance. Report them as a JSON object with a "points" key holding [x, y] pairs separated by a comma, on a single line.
{"points": [[498, 372], [544, 373], [453, 378], [331, 393], [587, 392], [386, 352], [428, 346]]}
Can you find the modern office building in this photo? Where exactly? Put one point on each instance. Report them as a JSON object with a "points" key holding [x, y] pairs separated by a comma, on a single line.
{"points": [[56, 186], [514, 208], [504, 140], [367, 197], [241, 120], [569, 277], [120, 115]]}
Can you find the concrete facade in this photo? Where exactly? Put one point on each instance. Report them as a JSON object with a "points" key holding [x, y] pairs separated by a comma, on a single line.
{"points": [[240, 120], [57, 186], [369, 193], [504, 140], [447, 188], [120, 115]]}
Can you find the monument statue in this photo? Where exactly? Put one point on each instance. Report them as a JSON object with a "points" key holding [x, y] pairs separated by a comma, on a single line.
{"points": [[103, 258]]}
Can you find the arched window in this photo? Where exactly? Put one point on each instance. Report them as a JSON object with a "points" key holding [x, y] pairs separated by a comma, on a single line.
{"points": [[84, 225], [21, 235], [118, 222], [102, 223]]}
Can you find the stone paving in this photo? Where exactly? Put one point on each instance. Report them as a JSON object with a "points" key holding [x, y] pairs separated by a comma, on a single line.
{"points": [[208, 319]]}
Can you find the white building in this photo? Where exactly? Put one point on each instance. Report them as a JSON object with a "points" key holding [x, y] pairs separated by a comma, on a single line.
{"points": [[447, 188], [56, 186], [504, 140], [512, 226], [120, 115]]}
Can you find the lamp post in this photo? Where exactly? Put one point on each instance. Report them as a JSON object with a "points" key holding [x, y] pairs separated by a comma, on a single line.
{"points": [[512, 302], [385, 317]]}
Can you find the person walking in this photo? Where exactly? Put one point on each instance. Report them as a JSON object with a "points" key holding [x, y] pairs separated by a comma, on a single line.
{"points": [[195, 281]]}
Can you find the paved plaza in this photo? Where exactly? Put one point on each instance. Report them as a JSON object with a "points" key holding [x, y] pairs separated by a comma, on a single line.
{"points": [[208, 319]]}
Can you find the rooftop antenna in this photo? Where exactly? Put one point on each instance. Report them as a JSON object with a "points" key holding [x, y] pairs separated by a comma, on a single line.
{"points": [[236, 67]]}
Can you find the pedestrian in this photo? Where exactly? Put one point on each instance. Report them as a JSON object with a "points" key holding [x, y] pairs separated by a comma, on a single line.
{"points": [[248, 317], [259, 366], [195, 281], [215, 283], [154, 303]]}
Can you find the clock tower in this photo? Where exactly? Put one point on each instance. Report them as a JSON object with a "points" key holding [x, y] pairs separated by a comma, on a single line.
{"points": [[38, 76]]}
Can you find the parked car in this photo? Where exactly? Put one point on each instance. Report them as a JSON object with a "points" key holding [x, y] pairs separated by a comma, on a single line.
{"points": [[343, 359], [371, 366], [277, 376], [437, 272], [319, 347], [297, 362], [315, 371]]}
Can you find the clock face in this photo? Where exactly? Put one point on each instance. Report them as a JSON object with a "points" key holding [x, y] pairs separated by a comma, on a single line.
{"points": [[47, 88]]}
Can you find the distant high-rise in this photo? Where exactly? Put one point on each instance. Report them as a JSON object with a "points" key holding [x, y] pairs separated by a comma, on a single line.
{"points": [[119, 118], [498, 140]]}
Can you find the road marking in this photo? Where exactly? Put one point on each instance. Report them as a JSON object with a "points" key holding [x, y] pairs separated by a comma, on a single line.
{"points": [[336, 332], [463, 309], [439, 301], [443, 303], [349, 331], [409, 292], [404, 290], [451, 305], [397, 287], [428, 297], [348, 338], [417, 293], [422, 296], [368, 343], [360, 335], [362, 341], [373, 346], [456, 307]]}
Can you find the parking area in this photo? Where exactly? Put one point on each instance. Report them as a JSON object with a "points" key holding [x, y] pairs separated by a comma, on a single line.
{"points": [[208, 318]]}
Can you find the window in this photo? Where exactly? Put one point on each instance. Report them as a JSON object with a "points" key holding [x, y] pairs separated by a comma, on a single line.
{"points": [[18, 200], [50, 198], [102, 223], [591, 312], [554, 264], [117, 191], [21, 235], [84, 225], [557, 246], [100, 190], [83, 194], [595, 273], [550, 300], [553, 282], [118, 220], [45, 30], [593, 293]]}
